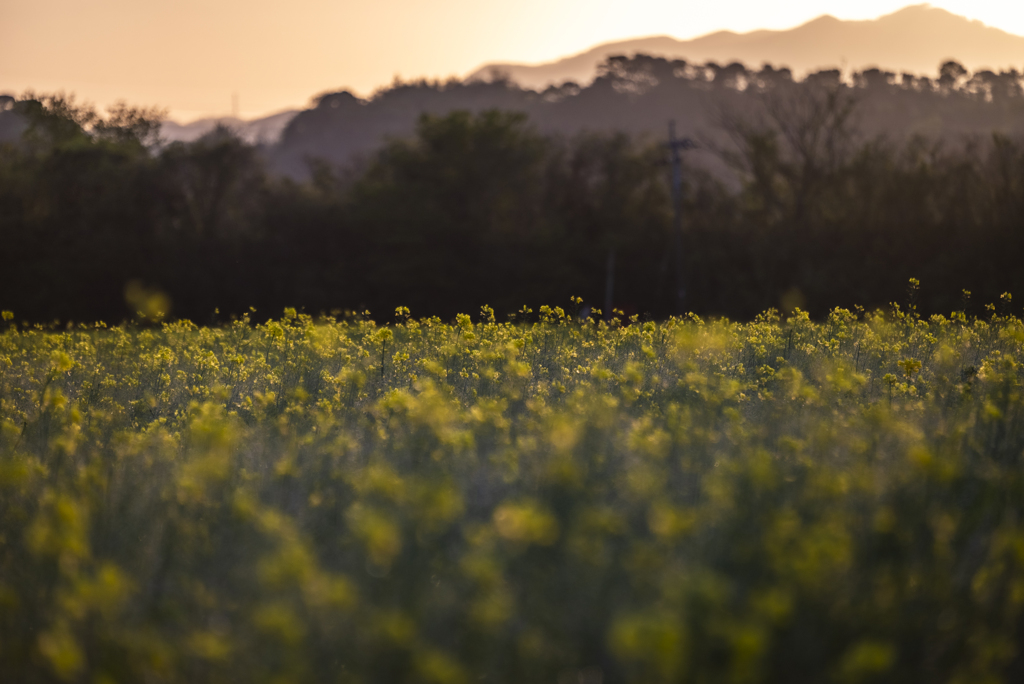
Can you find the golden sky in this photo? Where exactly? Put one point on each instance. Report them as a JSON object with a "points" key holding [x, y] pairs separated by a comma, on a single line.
{"points": [[191, 56]]}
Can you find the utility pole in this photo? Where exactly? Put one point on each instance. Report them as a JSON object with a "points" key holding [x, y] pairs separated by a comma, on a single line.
{"points": [[676, 147]]}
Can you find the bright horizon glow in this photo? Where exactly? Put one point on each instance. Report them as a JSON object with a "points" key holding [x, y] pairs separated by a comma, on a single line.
{"points": [[192, 56]]}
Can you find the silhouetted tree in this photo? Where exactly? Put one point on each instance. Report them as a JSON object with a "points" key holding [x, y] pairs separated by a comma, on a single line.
{"points": [[216, 185], [951, 75]]}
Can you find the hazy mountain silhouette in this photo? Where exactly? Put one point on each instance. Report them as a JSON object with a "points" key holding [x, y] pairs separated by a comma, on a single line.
{"points": [[914, 39], [11, 125], [265, 129]]}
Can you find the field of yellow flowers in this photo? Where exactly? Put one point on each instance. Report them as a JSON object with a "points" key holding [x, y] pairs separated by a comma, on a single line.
{"points": [[559, 500]]}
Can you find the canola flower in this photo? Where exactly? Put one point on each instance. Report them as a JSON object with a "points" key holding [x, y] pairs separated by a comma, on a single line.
{"points": [[565, 500]]}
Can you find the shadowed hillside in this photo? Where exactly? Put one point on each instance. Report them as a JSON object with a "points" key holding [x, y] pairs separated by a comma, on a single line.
{"points": [[640, 95]]}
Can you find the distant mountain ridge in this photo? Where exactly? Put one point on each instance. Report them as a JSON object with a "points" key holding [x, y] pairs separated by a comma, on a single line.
{"points": [[915, 39], [264, 130]]}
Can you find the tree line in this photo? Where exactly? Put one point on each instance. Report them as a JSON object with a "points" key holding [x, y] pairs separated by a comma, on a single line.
{"points": [[482, 208]]}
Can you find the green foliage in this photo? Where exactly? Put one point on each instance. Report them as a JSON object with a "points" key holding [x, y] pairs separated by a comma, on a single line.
{"points": [[566, 500]]}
